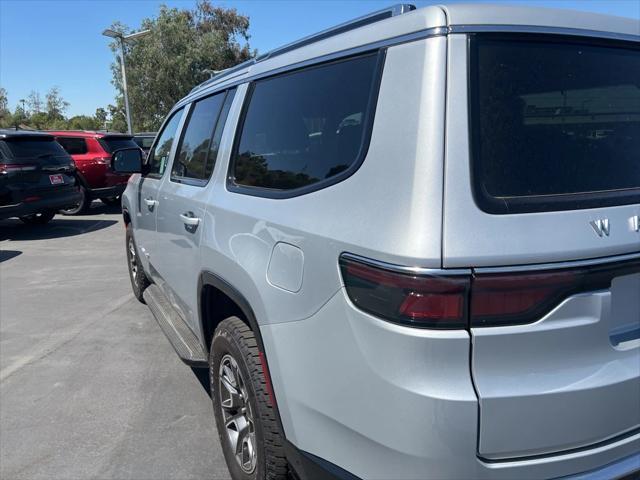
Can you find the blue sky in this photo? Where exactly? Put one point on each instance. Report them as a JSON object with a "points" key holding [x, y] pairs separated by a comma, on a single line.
{"points": [[59, 42]]}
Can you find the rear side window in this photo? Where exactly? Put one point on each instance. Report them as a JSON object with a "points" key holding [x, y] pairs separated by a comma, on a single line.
{"points": [[24, 147], [196, 154], [555, 123], [111, 144], [159, 155], [73, 145], [306, 129]]}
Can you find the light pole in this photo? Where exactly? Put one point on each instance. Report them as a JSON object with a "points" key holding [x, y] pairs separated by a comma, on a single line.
{"points": [[122, 39]]}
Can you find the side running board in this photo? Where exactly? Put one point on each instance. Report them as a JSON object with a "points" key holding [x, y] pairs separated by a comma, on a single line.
{"points": [[183, 340]]}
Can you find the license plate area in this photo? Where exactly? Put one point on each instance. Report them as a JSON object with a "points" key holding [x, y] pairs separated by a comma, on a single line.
{"points": [[56, 179]]}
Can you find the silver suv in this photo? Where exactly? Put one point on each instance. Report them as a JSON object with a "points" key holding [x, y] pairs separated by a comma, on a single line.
{"points": [[408, 247]]}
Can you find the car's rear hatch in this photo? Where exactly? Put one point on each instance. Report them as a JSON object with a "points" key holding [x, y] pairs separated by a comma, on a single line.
{"points": [[543, 203], [33, 166]]}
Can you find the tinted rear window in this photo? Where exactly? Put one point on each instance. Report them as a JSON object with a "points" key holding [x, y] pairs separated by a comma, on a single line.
{"points": [[73, 145], [32, 148], [555, 123], [111, 144]]}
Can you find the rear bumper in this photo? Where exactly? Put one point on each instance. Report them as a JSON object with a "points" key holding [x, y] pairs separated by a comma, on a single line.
{"points": [[50, 202], [371, 400]]}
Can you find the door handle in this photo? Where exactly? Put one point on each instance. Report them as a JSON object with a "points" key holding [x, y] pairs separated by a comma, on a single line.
{"points": [[189, 219], [150, 203]]}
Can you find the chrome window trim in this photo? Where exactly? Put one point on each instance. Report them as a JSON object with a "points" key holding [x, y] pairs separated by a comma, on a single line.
{"points": [[541, 29], [558, 265], [392, 267]]}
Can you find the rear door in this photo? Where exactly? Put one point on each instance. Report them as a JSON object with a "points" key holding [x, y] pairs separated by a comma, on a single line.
{"points": [[182, 203], [542, 200], [149, 185]]}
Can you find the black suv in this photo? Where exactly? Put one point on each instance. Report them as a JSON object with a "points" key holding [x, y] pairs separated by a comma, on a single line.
{"points": [[37, 177]]}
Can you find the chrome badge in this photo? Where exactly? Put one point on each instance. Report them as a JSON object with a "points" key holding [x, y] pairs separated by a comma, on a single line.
{"points": [[634, 223], [601, 226]]}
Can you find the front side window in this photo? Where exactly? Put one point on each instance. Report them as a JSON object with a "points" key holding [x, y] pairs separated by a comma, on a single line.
{"points": [[73, 145], [159, 155], [193, 151], [555, 123], [306, 127]]}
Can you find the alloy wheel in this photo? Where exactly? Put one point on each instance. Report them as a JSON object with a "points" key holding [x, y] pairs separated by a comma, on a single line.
{"points": [[237, 414]]}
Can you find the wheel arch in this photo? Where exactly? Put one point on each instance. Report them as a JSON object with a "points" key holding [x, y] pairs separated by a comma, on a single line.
{"points": [[212, 287]]}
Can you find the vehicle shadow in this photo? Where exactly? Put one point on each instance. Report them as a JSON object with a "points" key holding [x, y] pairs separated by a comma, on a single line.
{"points": [[59, 227], [8, 254], [99, 208]]}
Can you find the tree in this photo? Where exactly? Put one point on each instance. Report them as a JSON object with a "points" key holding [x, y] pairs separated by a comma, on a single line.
{"points": [[20, 116], [118, 122], [165, 65], [101, 117], [34, 102], [55, 104], [6, 118], [83, 122]]}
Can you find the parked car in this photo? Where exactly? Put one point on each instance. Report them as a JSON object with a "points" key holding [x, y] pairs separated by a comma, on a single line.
{"points": [[402, 252], [91, 152], [36, 176], [144, 140]]}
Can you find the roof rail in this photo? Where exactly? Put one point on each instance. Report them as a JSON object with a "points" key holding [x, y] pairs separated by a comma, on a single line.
{"points": [[338, 29], [368, 19]]}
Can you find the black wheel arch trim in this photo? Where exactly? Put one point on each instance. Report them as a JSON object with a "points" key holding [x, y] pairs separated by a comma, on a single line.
{"points": [[211, 279]]}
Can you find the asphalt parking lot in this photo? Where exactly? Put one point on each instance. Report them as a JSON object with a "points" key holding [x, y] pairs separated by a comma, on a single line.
{"points": [[89, 386]]}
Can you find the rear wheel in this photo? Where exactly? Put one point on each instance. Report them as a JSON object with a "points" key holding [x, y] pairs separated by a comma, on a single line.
{"points": [[81, 207], [249, 434], [39, 218], [139, 281]]}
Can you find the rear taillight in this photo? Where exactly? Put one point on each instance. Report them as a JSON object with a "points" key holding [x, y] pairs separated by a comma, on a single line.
{"points": [[439, 300], [519, 298], [16, 167], [417, 299]]}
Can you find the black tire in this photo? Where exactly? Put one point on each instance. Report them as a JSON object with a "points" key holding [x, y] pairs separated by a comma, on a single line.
{"points": [[39, 218], [112, 201], [80, 208], [234, 339], [139, 280]]}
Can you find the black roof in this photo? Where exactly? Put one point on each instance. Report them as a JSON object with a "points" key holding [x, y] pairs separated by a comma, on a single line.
{"points": [[6, 133]]}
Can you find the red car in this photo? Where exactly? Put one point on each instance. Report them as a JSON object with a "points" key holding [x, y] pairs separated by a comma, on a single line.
{"points": [[91, 151]]}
